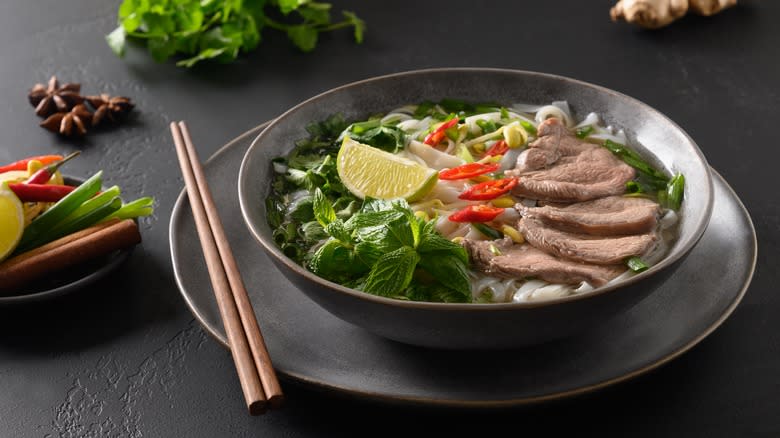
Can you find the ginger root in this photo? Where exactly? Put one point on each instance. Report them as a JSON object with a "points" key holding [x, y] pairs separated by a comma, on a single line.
{"points": [[653, 14]]}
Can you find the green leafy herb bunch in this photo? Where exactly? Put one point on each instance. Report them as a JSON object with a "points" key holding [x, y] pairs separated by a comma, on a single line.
{"points": [[219, 30]]}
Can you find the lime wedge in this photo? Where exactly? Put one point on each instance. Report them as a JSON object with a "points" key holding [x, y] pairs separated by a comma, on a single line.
{"points": [[368, 171], [11, 221]]}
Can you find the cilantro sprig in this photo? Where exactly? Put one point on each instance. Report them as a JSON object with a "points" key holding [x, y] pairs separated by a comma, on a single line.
{"points": [[221, 29]]}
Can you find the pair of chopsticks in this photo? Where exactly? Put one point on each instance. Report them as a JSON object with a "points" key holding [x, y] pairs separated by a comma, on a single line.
{"points": [[255, 372]]}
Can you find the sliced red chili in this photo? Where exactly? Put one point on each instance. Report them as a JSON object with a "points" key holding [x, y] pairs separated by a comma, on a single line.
{"points": [[44, 174], [438, 134], [40, 192], [476, 213], [468, 170], [488, 189], [499, 148]]}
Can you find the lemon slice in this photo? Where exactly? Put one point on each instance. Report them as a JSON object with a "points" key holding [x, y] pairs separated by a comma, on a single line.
{"points": [[11, 221], [368, 171]]}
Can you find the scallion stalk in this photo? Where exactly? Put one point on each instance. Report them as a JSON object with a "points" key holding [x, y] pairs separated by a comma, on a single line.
{"points": [[636, 264], [59, 211], [77, 223], [487, 231], [139, 207], [674, 192]]}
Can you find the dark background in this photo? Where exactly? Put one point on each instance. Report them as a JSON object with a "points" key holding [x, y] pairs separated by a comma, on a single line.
{"points": [[125, 357]]}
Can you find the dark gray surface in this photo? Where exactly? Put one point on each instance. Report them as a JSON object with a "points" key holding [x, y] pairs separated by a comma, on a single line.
{"points": [[312, 346], [126, 358]]}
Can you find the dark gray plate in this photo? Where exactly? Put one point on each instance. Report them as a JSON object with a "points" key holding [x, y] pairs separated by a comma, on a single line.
{"points": [[310, 345], [70, 280]]}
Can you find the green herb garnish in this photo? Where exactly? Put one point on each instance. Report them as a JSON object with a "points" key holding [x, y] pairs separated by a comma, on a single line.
{"points": [[221, 29], [384, 249]]}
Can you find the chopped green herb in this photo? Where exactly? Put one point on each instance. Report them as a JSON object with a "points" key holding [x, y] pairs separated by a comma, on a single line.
{"points": [[636, 264], [584, 131]]}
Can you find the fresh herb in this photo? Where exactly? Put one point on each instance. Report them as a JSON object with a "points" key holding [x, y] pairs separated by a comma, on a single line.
{"points": [[674, 192], [221, 29], [290, 207], [636, 264], [634, 160], [459, 107], [386, 250], [487, 126], [584, 131], [373, 132]]}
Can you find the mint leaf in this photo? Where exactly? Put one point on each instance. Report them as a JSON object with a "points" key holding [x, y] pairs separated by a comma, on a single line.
{"points": [[323, 211], [373, 219], [334, 261], [369, 253], [393, 272], [449, 270], [313, 232], [430, 243], [337, 230]]}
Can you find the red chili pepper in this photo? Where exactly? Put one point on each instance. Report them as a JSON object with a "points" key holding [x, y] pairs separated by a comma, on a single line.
{"points": [[438, 134], [44, 174], [468, 170], [499, 148], [22, 164], [476, 213], [488, 189], [40, 192]]}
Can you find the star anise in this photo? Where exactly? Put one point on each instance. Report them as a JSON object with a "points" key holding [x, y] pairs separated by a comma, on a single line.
{"points": [[73, 123], [109, 109], [51, 98]]}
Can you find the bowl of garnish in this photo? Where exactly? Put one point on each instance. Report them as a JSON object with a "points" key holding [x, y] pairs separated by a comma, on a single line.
{"points": [[470, 208], [59, 233]]}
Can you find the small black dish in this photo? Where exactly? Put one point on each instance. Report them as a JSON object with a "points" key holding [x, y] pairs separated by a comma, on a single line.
{"points": [[72, 279]]}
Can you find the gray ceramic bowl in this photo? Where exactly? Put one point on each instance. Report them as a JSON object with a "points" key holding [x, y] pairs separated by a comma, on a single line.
{"points": [[479, 326]]}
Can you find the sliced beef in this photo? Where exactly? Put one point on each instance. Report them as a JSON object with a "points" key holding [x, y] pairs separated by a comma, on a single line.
{"points": [[594, 173], [598, 250], [559, 167], [525, 261], [610, 216], [553, 142]]}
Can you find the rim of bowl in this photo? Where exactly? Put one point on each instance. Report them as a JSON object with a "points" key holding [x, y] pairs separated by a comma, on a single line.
{"points": [[665, 263]]}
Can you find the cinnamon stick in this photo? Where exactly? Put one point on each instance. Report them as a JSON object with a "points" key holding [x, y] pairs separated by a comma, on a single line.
{"points": [[84, 245]]}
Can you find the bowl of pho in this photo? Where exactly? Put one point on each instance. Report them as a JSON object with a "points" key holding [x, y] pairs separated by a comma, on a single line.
{"points": [[474, 208]]}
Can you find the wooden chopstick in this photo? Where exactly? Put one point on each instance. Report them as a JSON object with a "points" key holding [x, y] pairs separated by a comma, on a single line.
{"points": [[253, 363]]}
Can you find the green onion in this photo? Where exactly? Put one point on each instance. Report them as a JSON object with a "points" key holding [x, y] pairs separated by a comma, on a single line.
{"points": [[632, 187], [674, 192], [634, 160], [93, 203], [139, 207], [41, 226], [496, 252], [636, 264], [528, 126], [487, 231], [89, 218], [486, 125], [584, 131], [504, 113]]}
